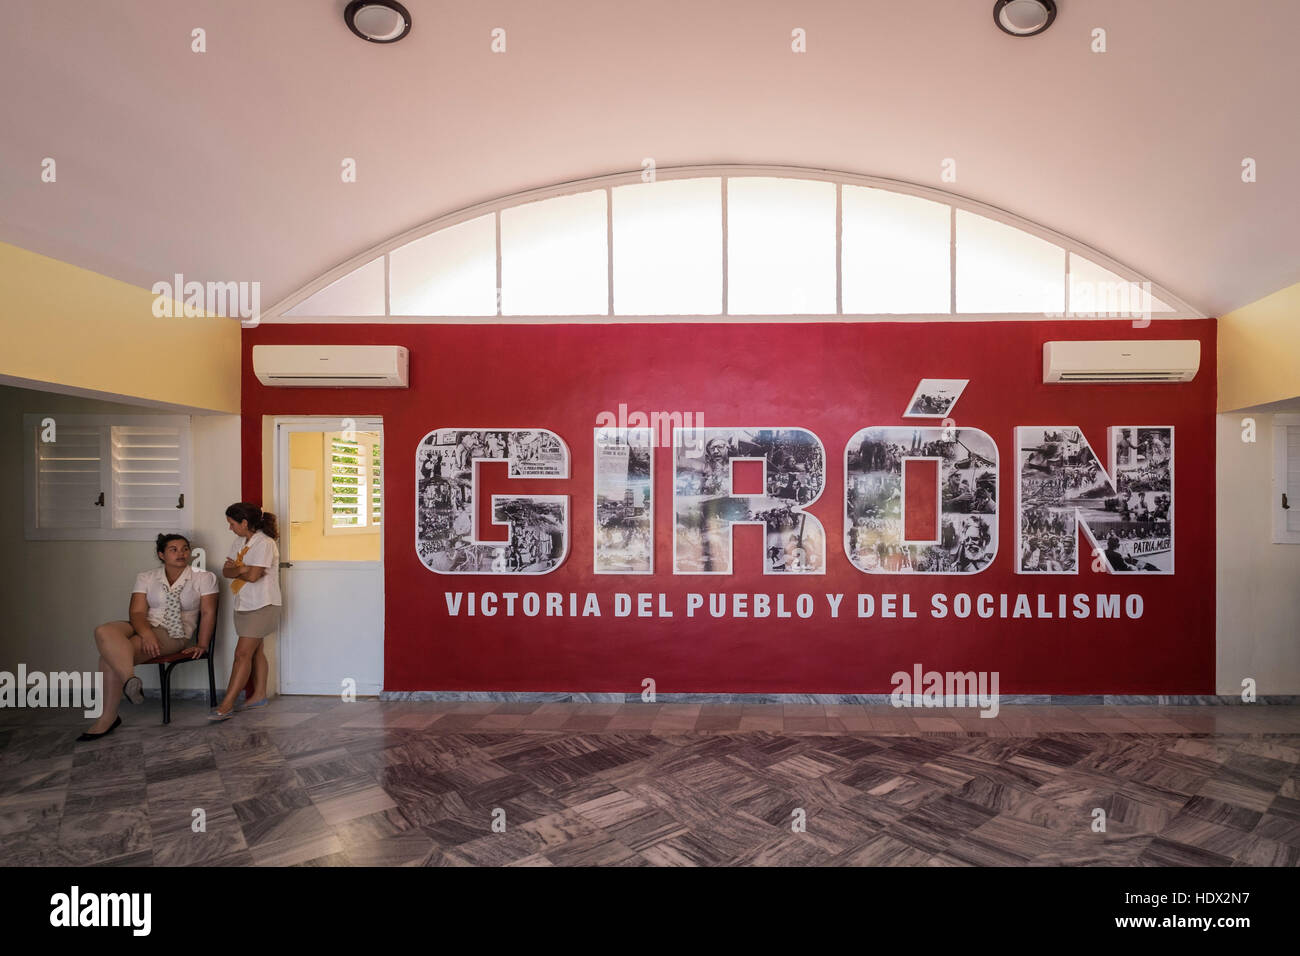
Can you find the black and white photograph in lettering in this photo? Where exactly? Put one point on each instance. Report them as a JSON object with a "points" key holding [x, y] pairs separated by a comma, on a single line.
{"points": [[446, 534], [1059, 480], [935, 397], [705, 507], [535, 453], [1137, 531], [875, 483], [624, 502]]}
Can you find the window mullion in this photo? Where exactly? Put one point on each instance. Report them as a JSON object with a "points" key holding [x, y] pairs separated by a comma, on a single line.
{"points": [[106, 477]]}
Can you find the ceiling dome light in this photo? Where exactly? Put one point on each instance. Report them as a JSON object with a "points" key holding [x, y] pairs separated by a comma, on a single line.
{"points": [[1024, 18], [379, 21]]}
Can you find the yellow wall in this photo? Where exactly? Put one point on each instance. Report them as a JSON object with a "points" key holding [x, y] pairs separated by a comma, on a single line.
{"points": [[72, 327], [1259, 351], [307, 538]]}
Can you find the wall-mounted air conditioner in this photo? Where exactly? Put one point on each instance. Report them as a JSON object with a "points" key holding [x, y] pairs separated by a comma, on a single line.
{"points": [[1122, 361], [331, 366]]}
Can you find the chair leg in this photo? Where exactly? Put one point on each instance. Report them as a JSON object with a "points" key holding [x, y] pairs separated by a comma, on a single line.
{"points": [[165, 678], [212, 680]]}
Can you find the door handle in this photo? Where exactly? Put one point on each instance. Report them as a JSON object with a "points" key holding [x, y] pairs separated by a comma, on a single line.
{"points": [[286, 564]]}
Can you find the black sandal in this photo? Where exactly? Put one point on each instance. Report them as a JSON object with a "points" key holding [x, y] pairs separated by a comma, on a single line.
{"points": [[89, 736]]}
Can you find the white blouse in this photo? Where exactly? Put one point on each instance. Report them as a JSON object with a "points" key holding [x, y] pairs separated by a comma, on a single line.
{"points": [[262, 553], [193, 584]]}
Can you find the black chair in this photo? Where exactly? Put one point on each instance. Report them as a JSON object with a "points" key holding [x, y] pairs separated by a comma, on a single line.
{"points": [[165, 665]]}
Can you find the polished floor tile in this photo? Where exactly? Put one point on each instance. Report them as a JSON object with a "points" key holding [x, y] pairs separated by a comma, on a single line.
{"points": [[316, 782]]}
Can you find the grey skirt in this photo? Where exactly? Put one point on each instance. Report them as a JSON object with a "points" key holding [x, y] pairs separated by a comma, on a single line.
{"points": [[262, 622]]}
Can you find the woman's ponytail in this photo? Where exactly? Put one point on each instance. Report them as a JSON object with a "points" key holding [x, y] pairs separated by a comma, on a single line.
{"points": [[258, 520]]}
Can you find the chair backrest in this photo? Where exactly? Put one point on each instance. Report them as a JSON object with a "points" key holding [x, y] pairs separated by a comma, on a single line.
{"points": [[194, 636]]}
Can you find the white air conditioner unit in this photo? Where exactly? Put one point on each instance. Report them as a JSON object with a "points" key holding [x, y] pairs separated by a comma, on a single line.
{"points": [[331, 366], [1122, 361]]}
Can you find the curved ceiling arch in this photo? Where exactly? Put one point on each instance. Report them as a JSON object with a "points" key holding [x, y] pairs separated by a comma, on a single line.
{"points": [[739, 242]]}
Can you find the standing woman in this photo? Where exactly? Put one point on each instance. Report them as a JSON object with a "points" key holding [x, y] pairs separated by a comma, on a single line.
{"points": [[253, 567]]}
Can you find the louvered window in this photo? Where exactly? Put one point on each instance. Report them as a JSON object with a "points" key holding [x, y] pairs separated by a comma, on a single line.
{"points": [[148, 474], [69, 476], [93, 477], [354, 482], [376, 482]]}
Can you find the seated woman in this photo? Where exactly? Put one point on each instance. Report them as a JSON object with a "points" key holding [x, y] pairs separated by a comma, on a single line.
{"points": [[167, 605]]}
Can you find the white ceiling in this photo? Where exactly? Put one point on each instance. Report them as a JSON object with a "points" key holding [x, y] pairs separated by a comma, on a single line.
{"points": [[225, 165]]}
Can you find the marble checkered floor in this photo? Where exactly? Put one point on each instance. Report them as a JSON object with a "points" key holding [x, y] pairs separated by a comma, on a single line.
{"points": [[319, 782]]}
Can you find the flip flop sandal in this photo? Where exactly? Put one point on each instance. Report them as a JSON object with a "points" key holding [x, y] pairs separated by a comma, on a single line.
{"points": [[134, 690], [261, 703], [215, 714]]}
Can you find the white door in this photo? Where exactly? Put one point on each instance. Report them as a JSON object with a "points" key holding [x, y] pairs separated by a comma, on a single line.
{"points": [[329, 492]]}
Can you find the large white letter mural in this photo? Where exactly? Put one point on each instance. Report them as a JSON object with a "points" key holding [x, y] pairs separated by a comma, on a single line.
{"points": [[875, 490], [624, 502], [705, 507], [1128, 520], [446, 523]]}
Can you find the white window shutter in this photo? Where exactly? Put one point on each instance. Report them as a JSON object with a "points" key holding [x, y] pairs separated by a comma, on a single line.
{"points": [[1286, 479], [353, 476], [106, 477], [71, 492], [150, 467], [347, 483], [376, 484]]}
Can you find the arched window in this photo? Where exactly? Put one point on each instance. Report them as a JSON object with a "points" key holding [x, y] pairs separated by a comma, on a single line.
{"points": [[717, 242]]}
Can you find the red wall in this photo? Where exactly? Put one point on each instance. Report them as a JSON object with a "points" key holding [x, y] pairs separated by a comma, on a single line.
{"points": [[832, 378]]}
